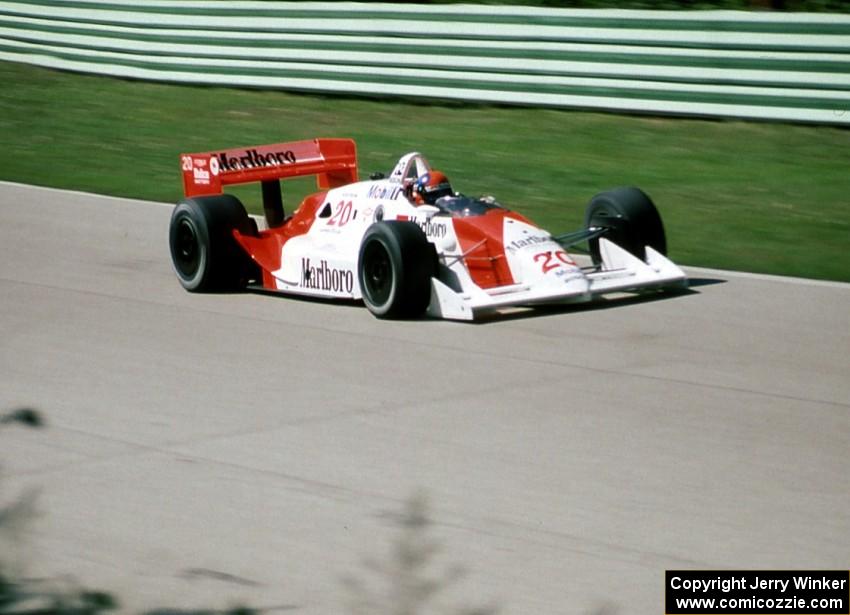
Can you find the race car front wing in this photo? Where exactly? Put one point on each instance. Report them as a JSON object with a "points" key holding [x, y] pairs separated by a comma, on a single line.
{"points": [[620, 271]]}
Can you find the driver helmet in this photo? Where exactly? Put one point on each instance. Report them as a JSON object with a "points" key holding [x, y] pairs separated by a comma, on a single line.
{"points": [[430, 187]]}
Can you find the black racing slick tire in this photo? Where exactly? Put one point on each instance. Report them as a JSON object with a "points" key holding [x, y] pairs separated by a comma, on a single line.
{"points": [[205, 255], [395, 268], [631, 220]]}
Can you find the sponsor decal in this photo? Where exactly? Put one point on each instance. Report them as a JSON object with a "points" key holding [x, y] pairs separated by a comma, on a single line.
{"points": [[531, 240], [253, 159], [437, 230], [214, 168], [322, 277], [568, 275], [389, 193], [201, 176]]}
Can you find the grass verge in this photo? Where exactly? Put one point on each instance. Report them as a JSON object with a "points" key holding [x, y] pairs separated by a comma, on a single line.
{"points": [[772, 198]]}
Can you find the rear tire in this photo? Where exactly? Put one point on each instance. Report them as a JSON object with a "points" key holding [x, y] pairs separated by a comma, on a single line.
{"points": [[395, 268], [205, 255], [632, 221]]}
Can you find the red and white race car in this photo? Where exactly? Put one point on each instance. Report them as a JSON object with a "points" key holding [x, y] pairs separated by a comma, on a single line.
{"points": [[405, 244]]}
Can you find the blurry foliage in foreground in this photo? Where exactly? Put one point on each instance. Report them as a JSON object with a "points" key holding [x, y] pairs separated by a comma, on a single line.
{"points": [[53, 596], [23, 596], [406, 583]]}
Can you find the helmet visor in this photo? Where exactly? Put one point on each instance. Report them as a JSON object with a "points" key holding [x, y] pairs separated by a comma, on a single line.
{"points": [[432, 193]]}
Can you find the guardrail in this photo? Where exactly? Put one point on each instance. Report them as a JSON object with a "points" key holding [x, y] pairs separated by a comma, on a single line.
{"points": [[786, 67]]}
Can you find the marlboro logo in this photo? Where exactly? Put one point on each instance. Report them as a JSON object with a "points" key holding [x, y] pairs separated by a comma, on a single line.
{"points": [[253, 159]]}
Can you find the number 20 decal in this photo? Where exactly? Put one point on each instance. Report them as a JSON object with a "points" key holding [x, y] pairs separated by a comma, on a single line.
{"points": [[552, 260], [186, 163], [342, 215]]}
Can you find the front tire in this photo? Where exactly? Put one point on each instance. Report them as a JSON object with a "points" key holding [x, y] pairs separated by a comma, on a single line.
{"points": [[204, 253], [395, 268], [632, 220]]}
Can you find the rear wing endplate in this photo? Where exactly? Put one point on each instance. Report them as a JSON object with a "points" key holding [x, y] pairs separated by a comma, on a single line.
{"points": [[332, 161]]}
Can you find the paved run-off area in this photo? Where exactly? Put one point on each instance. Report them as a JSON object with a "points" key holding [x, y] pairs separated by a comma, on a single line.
{"points": [[206, 451]]}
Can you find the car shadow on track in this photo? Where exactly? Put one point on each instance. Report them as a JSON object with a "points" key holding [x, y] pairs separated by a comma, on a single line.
{"points": [[257, 290], [518, 313], [602, 303]]}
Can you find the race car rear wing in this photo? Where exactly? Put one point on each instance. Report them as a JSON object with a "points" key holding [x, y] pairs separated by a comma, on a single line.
{"points": [[333, 161]]}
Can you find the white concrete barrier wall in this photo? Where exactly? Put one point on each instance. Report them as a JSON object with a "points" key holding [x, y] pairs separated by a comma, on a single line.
{"points": [[768, 66]]}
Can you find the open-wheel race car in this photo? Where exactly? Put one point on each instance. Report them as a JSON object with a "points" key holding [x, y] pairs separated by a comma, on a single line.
{"points": [[406, 244]]}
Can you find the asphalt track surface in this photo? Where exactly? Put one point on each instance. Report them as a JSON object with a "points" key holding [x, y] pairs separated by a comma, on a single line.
{"points": [[204, 451]]}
